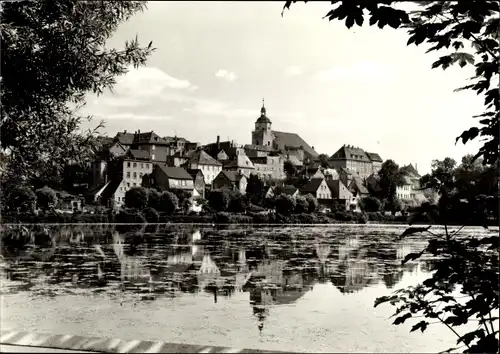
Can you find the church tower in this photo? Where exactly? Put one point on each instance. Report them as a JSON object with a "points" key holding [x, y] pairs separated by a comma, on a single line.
{"points": [[262, 135]]}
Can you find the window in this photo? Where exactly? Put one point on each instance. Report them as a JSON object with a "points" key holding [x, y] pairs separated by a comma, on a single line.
{"points": [[152, 156], [153, 147], [134, 184], [142, 165], [140, 175], [128, 174], [135, 165], [134, 175], [128, 164], [128, 185], [147, 165]]}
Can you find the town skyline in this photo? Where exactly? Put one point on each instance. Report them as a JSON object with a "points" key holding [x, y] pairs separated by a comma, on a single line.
{"points": [[317, 86]]}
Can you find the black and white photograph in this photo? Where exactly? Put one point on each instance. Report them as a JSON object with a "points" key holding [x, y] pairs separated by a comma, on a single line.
{"points": [[249, 176]]}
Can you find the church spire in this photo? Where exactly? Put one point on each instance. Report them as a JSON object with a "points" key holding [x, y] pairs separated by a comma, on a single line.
{"points": [[263, 109]]}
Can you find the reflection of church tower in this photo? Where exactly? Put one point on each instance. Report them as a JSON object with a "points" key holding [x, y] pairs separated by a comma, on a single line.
{"points": [[262, 135]]}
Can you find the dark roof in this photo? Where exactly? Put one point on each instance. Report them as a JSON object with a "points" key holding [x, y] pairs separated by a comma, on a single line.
{"points": [[334, 186], [140, 138], [174, 139], [111, 188], [202, 158], [358, 182], [348, 152], [311, 186], [411, 170], [258, 147], [194, 172], [138, 154], [233, 176], [125, 138], [105, 140], [149, 138], [374, 157], [283, 140], [260, 160], [174, 172], [213, 149], [263, 119], [287, 189]]}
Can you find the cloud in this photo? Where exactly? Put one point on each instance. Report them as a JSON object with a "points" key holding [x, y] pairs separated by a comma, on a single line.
{"points": [[359, 70], [226, 75], [293, 70], [143, 93]]}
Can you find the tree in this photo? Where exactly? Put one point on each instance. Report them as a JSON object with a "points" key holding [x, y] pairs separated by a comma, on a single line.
{"points": [[445, 24], [58, 47], [301, 204], [323, 160], [255, 189], [237, 203], [370, 204], [312, 203], [290, 169], [154, 199], [19, 198], [184, 199], [389, 178], [285, 204], [218, 199], [46, 198], [151, 215], [137, 198], [169, 202]]}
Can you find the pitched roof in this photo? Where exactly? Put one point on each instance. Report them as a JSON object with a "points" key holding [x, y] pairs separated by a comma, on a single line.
{"points": [[138, 154], [240, 161], [174, 172], [311, 186], [286, 189], [149, 138], [412, 171], [284, 139], [232, 176], [194, 172], [202, 158], [374, 157], [358, 182], [125, 138], [111, 188], [294, 160], [334, 186], [349, 152]]}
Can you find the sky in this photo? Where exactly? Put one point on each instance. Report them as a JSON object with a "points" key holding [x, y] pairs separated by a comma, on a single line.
{"points": [[216, 61]]}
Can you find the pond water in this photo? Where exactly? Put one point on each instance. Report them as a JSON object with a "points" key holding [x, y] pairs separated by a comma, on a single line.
{"points": [[303, 289]]}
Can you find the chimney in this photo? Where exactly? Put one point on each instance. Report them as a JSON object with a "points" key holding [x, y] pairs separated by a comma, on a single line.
{"points": [[312, 147], [125, 131], [138, 131], [218, 143], [416, 167]]}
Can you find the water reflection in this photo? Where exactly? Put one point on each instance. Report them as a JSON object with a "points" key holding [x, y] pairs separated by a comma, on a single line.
{"points": [[275, 268]]}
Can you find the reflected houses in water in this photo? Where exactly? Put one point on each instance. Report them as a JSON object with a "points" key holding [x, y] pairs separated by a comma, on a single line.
{"points": [[270, 284]]}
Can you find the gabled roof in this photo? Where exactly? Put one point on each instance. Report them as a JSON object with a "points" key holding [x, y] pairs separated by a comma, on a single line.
{"points": [[311, 186], [194, 172], [174, 172], [232, 176], [284, 139], [358, 182], [286, 189], [111, 188], [138, 154], [349, 152], [149, 138], [412, 171], [240, 161], [334, 186], [202, 158], [374, 157], [125, 138]]}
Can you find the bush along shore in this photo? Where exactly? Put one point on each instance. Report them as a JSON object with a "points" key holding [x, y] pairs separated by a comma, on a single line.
{"points": [[129, 216]]}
